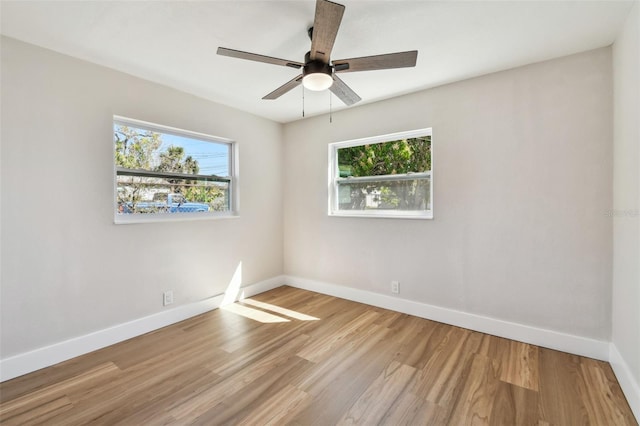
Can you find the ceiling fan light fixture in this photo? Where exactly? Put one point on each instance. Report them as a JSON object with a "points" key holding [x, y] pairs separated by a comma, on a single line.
{"points": [[317, 75], [317, 81], [317, 72]]}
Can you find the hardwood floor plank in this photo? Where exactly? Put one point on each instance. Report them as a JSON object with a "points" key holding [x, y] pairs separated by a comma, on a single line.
{"points": [[151, 395], [520, 365], [250, 339], [236, 406], [160, 340], [514, 405], [438, 380], [475, 400], [294, 298], [560, 377], [38, 413], [603, 400], [153, 407], [410, 410], [96, 402], [282, 405], [388, 318], [269, 343], [373, 404], [57, 390], [199, 404], [29, 383], [337, 382], [323, 346], [412, 341], [494, 347], [354, 364], [348, 357]]}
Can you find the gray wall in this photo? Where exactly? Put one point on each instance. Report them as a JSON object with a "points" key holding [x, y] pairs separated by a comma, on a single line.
{"points": [[626, 195], [67, 270], [522, 181], [522, 171]]}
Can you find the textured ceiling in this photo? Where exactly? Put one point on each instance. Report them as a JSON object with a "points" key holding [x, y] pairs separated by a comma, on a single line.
{"points": [[174, 42]]}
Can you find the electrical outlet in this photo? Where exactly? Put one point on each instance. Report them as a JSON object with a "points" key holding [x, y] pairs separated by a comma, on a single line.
{"points": [[167, 297], [395, 287]]}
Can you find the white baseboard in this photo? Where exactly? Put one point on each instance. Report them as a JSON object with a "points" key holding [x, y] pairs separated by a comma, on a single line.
{"points": [[628, 382], [537, 336], [43, 357], [49, 355]]}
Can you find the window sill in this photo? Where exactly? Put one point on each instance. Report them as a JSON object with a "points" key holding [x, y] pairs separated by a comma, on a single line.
{"points": [[388, 214], [125, 219]]}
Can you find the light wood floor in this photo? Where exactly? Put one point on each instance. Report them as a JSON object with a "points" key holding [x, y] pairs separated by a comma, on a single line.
{"points": [[308, 359]]}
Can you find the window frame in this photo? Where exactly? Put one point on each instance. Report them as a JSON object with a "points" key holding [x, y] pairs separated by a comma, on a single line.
{"points": [[335, 179], [176, 216]]}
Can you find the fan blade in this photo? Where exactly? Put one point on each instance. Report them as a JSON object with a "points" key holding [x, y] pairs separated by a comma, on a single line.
{"points": [[258, 58], [284, 88], [325, 28], [377, 62], [344, 92]]}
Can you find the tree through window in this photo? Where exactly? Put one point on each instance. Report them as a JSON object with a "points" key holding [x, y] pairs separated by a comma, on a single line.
{"points": [[161, 170], [383, 176]]}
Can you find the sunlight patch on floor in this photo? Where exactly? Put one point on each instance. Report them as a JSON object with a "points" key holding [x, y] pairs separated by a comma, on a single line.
{"points": [[254, 314], [280, 310]]}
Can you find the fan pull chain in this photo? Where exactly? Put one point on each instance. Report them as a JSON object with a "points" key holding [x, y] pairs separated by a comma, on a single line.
{"points": [[302, 101]]}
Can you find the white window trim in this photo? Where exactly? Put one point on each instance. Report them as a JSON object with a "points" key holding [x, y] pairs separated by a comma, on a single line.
{"points": [[334, 179], [234, 204]]}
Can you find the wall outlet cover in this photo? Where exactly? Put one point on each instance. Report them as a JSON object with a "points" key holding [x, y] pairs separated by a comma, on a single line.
{"points": [[167, 298]]}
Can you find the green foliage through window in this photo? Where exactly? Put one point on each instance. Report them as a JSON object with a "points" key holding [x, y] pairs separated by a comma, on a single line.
{"points": [[412, 155], [163, 173], [390, 176]]}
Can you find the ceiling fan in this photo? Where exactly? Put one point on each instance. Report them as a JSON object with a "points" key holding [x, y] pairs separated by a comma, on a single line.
{"points": [[318, 71]]}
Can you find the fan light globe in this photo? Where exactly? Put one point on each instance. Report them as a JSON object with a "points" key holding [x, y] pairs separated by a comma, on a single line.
{"points": [[317, 81]]}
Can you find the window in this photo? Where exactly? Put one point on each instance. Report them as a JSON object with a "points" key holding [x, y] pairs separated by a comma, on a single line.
{"points": [[163, 173], [382, 176]]}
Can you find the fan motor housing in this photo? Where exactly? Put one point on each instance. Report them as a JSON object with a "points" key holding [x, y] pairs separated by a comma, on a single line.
{"points": [[313, 67]]}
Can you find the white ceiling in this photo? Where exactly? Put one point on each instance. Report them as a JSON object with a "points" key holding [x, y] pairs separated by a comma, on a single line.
{"points": [[174, 42]]}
